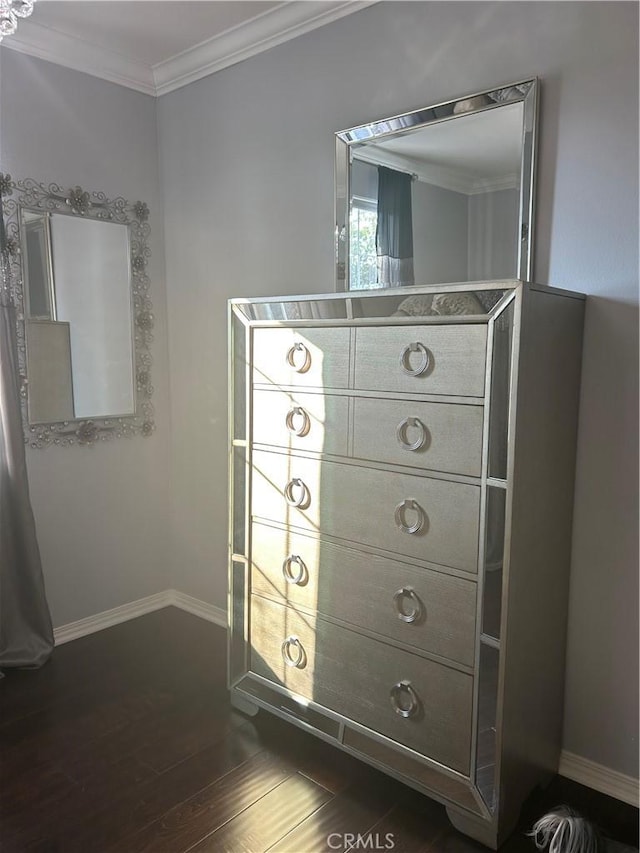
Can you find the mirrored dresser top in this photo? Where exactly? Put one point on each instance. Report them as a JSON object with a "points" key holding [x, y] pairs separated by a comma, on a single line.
{"points": [[479, 300]]}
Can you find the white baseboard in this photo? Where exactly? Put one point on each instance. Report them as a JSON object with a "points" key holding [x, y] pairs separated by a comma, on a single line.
{"points": [[198, 607], [108, 618], [572, 766], [599, 778]]}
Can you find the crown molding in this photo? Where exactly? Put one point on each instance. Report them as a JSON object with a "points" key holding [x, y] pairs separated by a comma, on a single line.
{"points": [[285, 22], [492, 185], [271, 28], [436, 175], [54, 46]]}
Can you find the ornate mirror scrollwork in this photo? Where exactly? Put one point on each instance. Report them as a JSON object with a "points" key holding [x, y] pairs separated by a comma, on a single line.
{"points": [[80, 287]]}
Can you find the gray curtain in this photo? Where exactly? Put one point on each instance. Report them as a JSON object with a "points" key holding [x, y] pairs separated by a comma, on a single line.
{"points": [[26, 634], [394, 232]]}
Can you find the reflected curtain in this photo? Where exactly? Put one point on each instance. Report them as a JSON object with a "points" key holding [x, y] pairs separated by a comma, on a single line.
{"points": [[26, 633], [394, 232]]}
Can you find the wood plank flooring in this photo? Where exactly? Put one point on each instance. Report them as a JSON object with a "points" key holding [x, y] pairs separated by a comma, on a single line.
{"points": [[126, 742]]}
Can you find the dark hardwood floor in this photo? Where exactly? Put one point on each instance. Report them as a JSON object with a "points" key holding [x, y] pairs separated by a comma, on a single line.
{"points": [[125, 742]]}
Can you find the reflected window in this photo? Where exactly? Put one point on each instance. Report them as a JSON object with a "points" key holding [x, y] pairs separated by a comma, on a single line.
{"points": [[363, 272], [470, 163], [448, 211]]}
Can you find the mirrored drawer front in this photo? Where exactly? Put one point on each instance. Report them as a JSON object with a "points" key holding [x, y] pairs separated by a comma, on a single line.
{"points": [[312, 358], [426, 609], [419, 703], [316, 422], [439, 436], [433, 520], [422, 359]]}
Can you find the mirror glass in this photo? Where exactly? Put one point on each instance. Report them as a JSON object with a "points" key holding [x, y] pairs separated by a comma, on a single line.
{"points": [[80, 287], [79, 323], [443, 194]]}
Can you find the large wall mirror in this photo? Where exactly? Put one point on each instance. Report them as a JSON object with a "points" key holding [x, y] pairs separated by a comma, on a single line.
{"points": [[81, 290], [441, 194]]}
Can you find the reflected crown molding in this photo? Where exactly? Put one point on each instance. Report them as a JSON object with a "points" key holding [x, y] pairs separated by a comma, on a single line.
{"points": [[275, 26], [440, 176]]}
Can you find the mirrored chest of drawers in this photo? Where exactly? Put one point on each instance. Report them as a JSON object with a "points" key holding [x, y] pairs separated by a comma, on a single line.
{"points": [[401, 481]]}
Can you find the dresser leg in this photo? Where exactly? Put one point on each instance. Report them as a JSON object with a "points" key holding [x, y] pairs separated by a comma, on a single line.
{"points": [[243, 705], [475, 827]]}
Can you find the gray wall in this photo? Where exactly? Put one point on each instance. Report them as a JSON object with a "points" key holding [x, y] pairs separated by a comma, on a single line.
{"points": [[102, 513], [247, 170], [440, 234], [364, 180], [493, 234]]}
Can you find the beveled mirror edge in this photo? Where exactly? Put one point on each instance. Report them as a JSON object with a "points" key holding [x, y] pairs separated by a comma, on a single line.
{"points": [[29, 194], [528, 182], [344, 139]]}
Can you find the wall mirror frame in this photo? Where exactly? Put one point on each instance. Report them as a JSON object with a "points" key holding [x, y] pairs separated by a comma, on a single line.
{"points": [[27, 202], [483, 109]]}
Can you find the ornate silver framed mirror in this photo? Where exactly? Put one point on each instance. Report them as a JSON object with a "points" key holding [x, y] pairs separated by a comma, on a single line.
{"points": [[80, 287], [441, 194]]}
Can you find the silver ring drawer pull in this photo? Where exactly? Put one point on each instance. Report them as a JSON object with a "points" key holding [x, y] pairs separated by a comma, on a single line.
{"points": [[404, 699], [297, 658], [402, 595], [303, 428], [304, 497], [401, 434], [292, 361], [287, 566], [405, 362], [401, 518]]}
